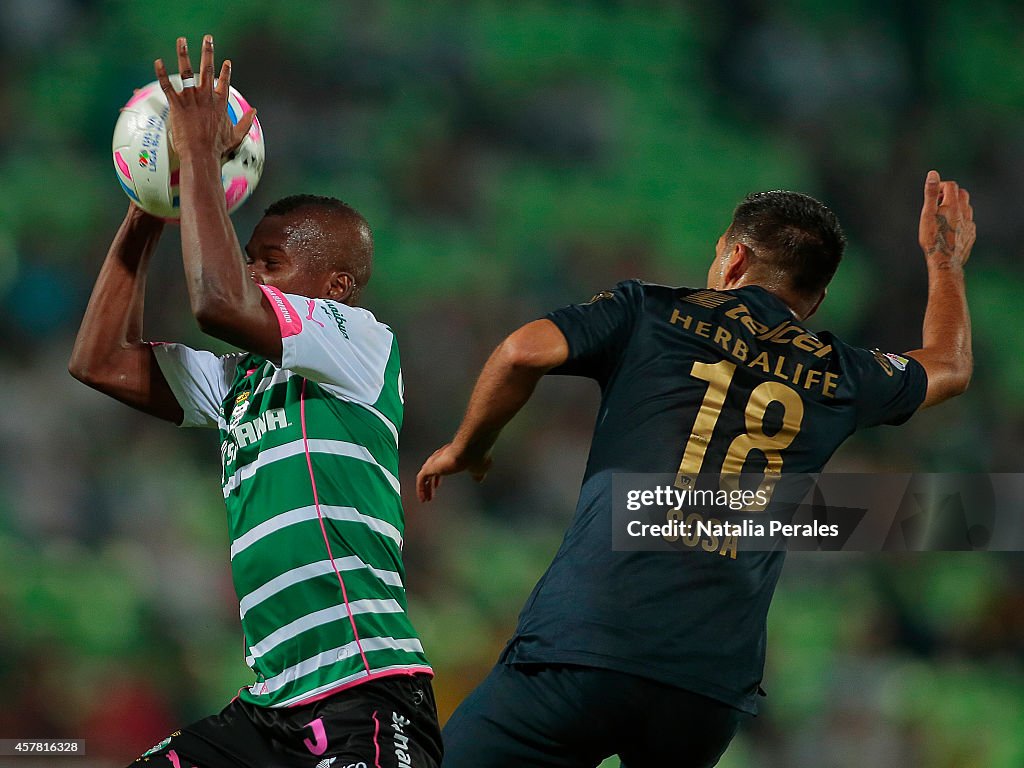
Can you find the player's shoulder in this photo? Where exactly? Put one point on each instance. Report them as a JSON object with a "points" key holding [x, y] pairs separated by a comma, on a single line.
{"points": [[327, 313], [658, 300], [638, 289], [633, 297], [865, 363], [357, 314], [660, 290], [841, 349], [655, 295], [865, 359]]}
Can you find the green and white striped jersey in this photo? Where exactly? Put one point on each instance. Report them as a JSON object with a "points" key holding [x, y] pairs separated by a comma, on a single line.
{"points": [[310, 478]]}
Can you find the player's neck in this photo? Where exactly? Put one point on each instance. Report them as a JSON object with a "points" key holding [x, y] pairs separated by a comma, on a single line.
{"points": [[799, 307]]}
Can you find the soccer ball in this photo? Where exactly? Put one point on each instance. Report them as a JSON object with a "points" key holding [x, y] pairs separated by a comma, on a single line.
{"points": [[147, 166]]}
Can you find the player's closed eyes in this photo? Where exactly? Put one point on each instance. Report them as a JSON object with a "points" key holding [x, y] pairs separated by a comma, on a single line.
{"points": [[269, 263]]}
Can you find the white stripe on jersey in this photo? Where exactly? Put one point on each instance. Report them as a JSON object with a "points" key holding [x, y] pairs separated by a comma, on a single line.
{"points": [[312, 571], [387, 422], [280, 375], [284, 374], [326, 658], [296, 447], [302, 514], [339, 393], [316, 619]]}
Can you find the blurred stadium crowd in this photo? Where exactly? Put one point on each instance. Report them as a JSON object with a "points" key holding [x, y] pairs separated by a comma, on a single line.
{"points": [[512, 158]]}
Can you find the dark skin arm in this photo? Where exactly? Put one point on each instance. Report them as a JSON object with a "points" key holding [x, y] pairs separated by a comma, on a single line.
{"points": [[506, 382], [225, 301], [109, 354], [946, 235]]}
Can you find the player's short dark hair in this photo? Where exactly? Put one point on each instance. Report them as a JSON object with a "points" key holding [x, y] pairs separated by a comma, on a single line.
{"points": [[792, 233], [357, 256], [295, 202]]}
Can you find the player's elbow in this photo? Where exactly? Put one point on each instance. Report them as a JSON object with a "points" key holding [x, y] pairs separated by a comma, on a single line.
{"points": [[948, 370], [213, 315], [521, 356], [959, 369], [227, 322], [79, 370], [516, 353], [962, 375], [208, 320], [83, 367], [948, 380], [537, 346], [93, 374]]}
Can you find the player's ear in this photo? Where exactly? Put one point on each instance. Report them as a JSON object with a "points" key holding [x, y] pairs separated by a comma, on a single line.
{"points": [[739, 261], [341, 286]]}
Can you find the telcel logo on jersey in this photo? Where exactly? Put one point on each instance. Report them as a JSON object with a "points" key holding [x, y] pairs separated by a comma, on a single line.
{"points": [[251, 431]]}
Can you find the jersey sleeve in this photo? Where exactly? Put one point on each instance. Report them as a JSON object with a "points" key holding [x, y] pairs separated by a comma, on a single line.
{"points": [[890, 387], [334, 344], [199, 380], [599, 330]]}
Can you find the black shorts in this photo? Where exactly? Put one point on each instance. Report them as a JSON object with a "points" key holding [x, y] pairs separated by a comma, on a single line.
{"points": [[385, 723], [557, 716]]}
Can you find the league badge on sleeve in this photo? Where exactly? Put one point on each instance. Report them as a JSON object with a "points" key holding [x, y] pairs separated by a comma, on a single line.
{"points": [[888, 361], [898, 361]]}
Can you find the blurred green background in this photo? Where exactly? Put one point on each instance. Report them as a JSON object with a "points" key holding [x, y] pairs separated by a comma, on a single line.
{"points": [[512, 157]]}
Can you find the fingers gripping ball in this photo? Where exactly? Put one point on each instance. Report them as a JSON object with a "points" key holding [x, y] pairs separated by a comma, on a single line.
{"points": [[147, 166]]}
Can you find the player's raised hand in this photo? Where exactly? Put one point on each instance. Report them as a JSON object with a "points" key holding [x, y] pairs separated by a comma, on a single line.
{"points": [[199, 112], [448, 460], [946, 232]]}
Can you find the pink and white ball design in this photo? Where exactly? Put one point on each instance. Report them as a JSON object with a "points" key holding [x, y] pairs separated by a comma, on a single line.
{"points": [[147, 167]]}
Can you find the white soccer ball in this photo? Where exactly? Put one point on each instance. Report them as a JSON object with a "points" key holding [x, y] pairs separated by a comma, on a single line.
{"points": [[147, 166]]}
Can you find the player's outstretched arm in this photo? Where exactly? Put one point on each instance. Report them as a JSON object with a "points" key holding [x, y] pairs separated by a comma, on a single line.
{"points": [[946, 234], [109, 354], [505, 384], [226, 303]]}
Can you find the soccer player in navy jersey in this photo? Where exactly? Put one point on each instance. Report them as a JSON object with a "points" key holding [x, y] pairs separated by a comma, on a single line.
{"points": [[654, 656]]}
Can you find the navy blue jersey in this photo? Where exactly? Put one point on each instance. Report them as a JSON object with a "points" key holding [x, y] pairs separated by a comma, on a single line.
{"points": [[694, 381]]}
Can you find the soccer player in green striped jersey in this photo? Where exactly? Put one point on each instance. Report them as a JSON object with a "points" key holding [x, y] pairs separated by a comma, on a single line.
{"points": [[309, 417]]}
